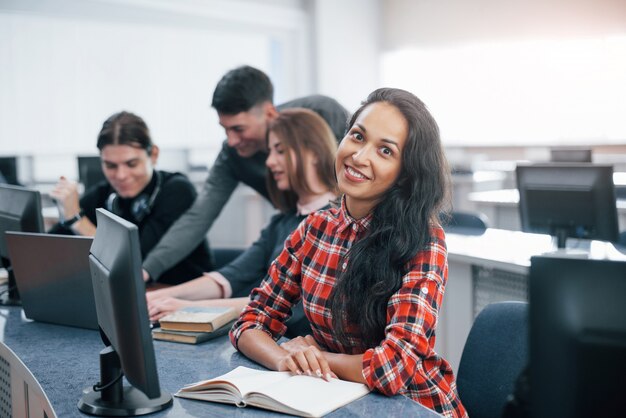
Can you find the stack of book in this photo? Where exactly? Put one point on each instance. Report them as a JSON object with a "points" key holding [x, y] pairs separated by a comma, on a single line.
{"points": [[194, 325]]}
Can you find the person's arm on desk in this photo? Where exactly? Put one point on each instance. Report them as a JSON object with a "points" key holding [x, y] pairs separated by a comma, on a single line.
{"points": [[237, 277], [345, 366], [191, 228], [211, 289], [160, 307], [260, 347]]}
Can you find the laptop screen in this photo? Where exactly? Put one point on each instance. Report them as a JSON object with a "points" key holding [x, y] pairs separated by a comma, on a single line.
{"points": [[53, 277]]}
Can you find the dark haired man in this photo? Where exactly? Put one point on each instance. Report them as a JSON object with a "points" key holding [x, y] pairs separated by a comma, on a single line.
{"points": [[243, 99]]}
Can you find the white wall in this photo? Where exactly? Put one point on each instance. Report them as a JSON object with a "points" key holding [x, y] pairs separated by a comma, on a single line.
{"points": [[67, 65], [347, 37], [520, 72], [432, 24]]}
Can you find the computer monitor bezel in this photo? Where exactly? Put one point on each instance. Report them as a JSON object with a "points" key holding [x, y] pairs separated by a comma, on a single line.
{"points": [[8, 169], [562, 181], [571, 155], [20, 211], [577, 341], [119, 292], [23, 207], [90, 170]]}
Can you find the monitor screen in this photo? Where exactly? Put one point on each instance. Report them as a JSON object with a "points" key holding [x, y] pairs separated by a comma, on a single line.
{"points": [[119, 291], [20, 211], [8, 169], [571, 155], [577, 337], [90, 170], [568, 200]]}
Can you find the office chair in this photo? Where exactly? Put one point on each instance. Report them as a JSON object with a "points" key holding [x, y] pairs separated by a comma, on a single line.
{"points": [[469, 223], [223, 256], [495, 353]]}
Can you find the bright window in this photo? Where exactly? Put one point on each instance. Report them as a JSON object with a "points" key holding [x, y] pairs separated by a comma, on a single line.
{"points": [[569, 92]]}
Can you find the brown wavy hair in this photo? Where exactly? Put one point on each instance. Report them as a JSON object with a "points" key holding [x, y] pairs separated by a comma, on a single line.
{"points": [[302, 130]]}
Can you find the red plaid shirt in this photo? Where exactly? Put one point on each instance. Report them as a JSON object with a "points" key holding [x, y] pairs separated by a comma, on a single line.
{"points": [[405, 361]]}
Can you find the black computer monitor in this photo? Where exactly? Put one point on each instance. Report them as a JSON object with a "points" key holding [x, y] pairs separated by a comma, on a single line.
{"points": [[568, 200], [8, 169], [90, 170], [20, 210], [571, 155], [577, 338], [119, 291]]}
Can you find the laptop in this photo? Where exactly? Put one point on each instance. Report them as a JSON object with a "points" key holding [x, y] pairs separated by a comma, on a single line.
{"points": [[53, 278]]}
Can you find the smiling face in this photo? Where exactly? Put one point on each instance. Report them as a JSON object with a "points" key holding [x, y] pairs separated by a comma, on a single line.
{"points": [[128, 169], [246, 131], [277, 162], [369, 158]]}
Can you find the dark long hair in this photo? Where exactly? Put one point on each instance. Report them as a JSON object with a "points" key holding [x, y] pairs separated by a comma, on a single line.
{"points": [[302, 130], [400, 226]]}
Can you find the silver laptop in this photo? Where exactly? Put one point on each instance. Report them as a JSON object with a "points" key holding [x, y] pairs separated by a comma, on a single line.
{"points": [[53, 277]]}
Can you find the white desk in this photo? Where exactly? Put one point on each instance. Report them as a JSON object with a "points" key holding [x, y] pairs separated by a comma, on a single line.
{"points": [[489, 268]]}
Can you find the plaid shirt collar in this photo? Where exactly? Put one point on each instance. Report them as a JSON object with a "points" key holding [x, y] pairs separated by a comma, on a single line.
{"points": [[345, 220]]}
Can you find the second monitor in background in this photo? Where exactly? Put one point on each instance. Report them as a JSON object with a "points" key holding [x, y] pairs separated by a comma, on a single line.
{"points": [[568, 200], [571, 155], [90, 170], [8, 170], [20, 210]]}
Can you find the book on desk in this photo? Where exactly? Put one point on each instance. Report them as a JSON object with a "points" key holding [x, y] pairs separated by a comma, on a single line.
{"points": [[194, 325], [284, 392], [190, 337], [198, 319]]}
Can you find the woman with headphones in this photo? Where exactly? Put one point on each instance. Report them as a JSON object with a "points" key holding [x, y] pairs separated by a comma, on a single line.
{"points": [[135, 191]]}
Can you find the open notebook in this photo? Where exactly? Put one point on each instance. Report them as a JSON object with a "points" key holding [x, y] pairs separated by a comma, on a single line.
{"points": [[284, 392]]}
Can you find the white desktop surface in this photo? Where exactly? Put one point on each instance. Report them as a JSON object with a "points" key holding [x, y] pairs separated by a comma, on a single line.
{"points": [[504, 248]]}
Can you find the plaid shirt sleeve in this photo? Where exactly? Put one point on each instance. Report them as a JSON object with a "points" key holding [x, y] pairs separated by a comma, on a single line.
{"points": [[405, 360], [271, 302]]}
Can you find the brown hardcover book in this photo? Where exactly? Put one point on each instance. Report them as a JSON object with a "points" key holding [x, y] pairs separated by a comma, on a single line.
{"points": [[190, 337], [198, 319], [284, 392]]}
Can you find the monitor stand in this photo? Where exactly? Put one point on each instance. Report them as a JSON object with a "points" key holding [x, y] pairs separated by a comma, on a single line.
{"points": [[113, 399], [580, 250]]}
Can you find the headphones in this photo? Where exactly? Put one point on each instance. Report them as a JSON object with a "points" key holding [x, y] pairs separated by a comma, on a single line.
{"points": [[140, 207]]}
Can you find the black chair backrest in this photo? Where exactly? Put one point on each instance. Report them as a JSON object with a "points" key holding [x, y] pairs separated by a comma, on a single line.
{"points": [[495, 353], [466, 222]]}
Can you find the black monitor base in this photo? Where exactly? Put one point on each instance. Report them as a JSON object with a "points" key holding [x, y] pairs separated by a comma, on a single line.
{"points": [[10, 302], [134, 403], [113, 399]]}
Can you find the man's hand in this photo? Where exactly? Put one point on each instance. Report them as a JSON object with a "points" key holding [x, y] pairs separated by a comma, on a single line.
{"points": [[65, 192]]}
